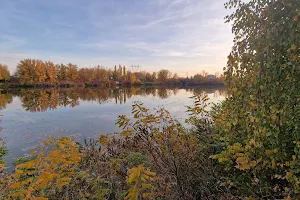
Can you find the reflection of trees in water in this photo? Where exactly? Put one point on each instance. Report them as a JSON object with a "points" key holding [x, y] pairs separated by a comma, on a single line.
{"points": [[175, 91], [163, 92], [219, 92], [5, 98], [3, 152], [150, 91], [216, 91], [42, 100]]}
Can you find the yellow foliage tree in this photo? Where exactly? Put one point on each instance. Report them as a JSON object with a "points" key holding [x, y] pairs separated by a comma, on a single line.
{"points": [[4, 73], [132, 78], [51, 72], [140, 180], [45, 172]]}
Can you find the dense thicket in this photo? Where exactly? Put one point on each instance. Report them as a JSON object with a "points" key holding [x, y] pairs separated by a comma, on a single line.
{"points": [[259, 123]]}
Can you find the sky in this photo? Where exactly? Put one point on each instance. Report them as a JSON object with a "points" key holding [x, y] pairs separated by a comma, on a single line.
{"points": [[183, 36]]}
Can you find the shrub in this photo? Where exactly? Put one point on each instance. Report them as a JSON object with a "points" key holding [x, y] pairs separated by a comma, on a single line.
{"points": [[258, 124]]}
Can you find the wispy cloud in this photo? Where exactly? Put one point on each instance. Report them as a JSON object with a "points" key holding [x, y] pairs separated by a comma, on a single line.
{"points": [[10, 42], [155, 34]]}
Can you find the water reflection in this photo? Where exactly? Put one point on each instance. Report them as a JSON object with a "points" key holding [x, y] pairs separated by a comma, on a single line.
{"points": [[217, 92], [27, 116], [5, 99], [40, 100]]}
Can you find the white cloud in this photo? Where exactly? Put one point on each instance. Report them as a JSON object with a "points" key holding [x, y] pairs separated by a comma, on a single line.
{"points": [[172, 34]]}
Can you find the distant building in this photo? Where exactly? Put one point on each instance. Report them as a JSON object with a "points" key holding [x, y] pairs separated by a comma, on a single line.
{"points": [[211, 77]]}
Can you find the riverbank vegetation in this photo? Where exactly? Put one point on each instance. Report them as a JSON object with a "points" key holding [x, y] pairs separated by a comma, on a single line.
{"points": [[38, 73], [247, 147]]}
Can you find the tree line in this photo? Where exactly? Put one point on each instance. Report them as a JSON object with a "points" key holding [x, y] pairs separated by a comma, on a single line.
{"points": [[38, 72]]}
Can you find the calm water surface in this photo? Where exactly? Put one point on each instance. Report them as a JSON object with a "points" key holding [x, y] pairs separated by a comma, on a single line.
{"points": [[29, 116]]}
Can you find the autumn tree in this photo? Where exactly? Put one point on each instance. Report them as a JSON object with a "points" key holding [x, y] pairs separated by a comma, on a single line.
{"points": [[198, 78], [153, 76], [40, 71], [101, 74], [120, 71], [43, 172], [259, 122], [4, 73], [62, 72], [124, 72], [163, 75], [132, 78], [115, 73], [30, 71], [83, 75], [148, 77], [175, 76], [72, 72], [51, 72]]}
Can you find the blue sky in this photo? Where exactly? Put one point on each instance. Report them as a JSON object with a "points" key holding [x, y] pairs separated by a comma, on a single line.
{"points": [[184, 36]]}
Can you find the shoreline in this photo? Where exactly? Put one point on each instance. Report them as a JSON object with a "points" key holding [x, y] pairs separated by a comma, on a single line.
{"points": [[103, 85]]}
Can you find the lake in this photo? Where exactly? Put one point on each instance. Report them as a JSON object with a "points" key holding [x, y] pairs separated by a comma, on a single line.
{"points": [[30, 115]]}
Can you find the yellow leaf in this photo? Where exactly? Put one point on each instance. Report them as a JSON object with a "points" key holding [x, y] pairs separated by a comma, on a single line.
{"points": [[252, 142]]}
